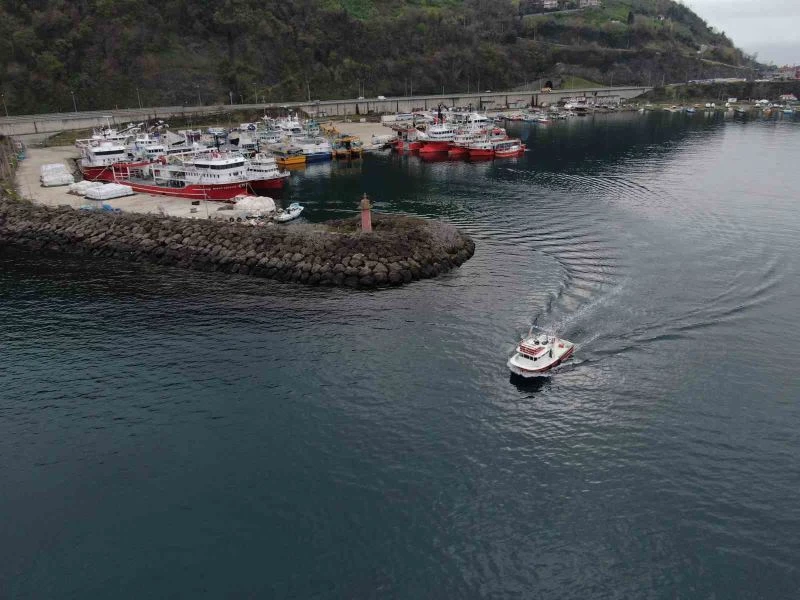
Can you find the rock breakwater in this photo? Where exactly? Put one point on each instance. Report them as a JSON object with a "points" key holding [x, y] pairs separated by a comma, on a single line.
{"points": [[399, 250]]}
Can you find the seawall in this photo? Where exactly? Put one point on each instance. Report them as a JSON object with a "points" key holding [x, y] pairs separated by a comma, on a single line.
{"points": [[399, 250]]}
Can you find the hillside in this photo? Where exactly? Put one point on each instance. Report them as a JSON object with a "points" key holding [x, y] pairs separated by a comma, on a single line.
{"points": [[122, 52]]}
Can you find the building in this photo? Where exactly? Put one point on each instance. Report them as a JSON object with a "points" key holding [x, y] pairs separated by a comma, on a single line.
{"points": [[787, 73], [588, 3], [549, 4]]}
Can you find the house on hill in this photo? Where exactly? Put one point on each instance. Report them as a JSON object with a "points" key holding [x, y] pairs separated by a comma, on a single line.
{"points": [[589, 3], [549, 4]]}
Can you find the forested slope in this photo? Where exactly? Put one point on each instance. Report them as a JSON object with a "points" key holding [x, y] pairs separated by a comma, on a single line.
{"points": [[120, 52]]}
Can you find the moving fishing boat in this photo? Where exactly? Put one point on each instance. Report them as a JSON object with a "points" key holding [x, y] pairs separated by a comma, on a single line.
{"points": [[538, 353]]}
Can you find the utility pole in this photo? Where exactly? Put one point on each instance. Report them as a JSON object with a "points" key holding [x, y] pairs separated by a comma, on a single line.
{"points": [[4, 103], [74, 104], [138, 97], [199, 101], [255, 94], [230, 93], [308, 89]]}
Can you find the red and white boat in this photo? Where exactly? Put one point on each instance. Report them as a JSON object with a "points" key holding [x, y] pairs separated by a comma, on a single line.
{"points": [[437, 138], [263, 173], [98, 156], [206, 176], [537, 354], [508, 148], [459, 147], [407, 140], [483, 148]]}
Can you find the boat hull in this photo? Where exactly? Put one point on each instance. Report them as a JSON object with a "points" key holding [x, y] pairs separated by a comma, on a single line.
{"points": [[110, 172], [223, 192], [318, 157], [291, 161], [434, 146], [481, 153], [509, 153], [457, 152], [264, 185]]}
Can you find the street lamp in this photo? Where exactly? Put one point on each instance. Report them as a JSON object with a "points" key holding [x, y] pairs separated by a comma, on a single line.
{"points": [[255, 94], [74, 104], [138, 97], [199, 101], [4, 103]]}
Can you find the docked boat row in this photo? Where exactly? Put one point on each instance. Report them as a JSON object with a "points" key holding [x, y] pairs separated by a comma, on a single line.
{"points": [[196, 172], [456, 135], [218, 164]]}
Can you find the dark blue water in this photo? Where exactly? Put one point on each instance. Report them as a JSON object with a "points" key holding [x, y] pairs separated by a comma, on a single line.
{"points": [[175, 434]]}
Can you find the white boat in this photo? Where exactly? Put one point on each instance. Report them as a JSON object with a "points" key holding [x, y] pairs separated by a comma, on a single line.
{"points": [[292, 212], [538, 353]]}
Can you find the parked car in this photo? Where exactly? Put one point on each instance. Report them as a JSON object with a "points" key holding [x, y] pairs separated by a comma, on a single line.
{"points": [[381, 97]]}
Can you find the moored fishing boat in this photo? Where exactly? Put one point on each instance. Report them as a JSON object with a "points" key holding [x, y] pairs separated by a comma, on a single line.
{"points": [[459, 147], [263, 173], [199, 176], [99, 156], [347, 147], [289, 156], [437, 138], [508, 148], [315, 149], [481, 149], [539, 353]]}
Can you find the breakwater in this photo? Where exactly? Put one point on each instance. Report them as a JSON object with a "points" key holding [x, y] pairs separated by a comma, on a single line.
{"points": [[400, 249]]}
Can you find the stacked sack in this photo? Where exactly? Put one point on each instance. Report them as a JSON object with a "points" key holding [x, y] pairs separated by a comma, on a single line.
{"points": [[55, 174], [80, 188], [108, 191]]}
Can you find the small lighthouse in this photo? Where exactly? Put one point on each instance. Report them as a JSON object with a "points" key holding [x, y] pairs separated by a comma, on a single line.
{"points": [[366, 215]]}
